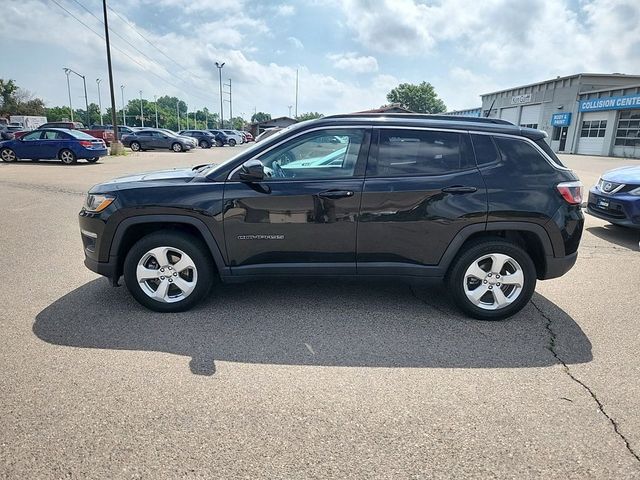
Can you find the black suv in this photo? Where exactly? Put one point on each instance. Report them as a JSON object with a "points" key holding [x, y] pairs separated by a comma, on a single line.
{"points": [[480, 203], [205, 139]]}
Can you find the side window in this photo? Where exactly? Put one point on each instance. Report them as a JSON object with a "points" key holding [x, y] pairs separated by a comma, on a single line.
{"points": [[521, 158], [52, 136], [484, 149], [29, 137], [420, 152], [144, 134], [316, 155]]}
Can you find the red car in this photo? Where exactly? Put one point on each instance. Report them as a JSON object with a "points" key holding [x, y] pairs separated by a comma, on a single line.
{"points": [[106, 135]]}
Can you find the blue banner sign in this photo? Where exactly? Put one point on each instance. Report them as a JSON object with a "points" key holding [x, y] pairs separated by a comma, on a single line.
{"points": [[610, 103], [561, 119]]}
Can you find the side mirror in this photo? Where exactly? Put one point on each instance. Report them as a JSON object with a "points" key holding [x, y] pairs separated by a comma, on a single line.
{"points": [[252, 171]]}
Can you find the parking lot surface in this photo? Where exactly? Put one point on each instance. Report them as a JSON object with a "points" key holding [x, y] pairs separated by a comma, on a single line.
{"points": [[305, 379]]}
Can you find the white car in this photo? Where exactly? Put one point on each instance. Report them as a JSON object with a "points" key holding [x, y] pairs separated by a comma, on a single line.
{"points": [[234, 137]]}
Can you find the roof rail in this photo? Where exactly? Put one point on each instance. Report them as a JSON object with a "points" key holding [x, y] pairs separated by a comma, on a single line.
{"points": [[425, 116]]}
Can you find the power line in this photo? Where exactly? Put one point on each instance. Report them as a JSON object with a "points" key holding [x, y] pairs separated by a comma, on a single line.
{"points": [[131, 44], [127, 55]]}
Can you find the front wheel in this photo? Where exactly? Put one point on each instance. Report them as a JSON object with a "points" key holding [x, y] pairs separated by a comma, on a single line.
{"points": [[492, 279], [67, 157], [176, 147], [204, 144], [8, 155], [232, 142], [168, 272]]}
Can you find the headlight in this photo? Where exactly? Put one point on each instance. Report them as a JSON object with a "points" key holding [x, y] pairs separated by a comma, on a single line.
{"points": [[97, 203], [635, 191]]}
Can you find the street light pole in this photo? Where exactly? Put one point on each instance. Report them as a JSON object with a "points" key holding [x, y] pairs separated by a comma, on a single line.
{"points": [[67, 72], [124, 115], [141, 112], [116, 146], [99, 99], [220, 65], [178, 111], [86, 98], [155, 101], [296, 93]]}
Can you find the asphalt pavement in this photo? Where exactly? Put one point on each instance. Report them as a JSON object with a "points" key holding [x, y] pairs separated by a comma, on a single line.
{"points": [[312, 379]]}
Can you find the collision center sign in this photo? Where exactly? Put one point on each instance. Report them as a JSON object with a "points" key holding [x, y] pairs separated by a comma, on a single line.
{"points": [[610, 103]]}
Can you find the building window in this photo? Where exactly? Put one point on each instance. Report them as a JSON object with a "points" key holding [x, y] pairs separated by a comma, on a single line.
{"points": [[556, 133], [628, 129], [529, 125], [593, 128]]}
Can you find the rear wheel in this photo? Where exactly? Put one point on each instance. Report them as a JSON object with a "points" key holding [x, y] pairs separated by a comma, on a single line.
{"points": [[168, 272], [8, 155], [67, 157], [219, 143], [232, 142], [176, 147], [135, 146], [93, 160], [204, 144], [492, 279]]}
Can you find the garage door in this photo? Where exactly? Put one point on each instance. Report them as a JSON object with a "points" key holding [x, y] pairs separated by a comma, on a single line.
{"points": [[592, 131], [510, 114], [530, 116]]}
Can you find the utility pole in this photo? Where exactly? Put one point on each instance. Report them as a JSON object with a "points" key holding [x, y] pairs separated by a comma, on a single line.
{"points": [[187, 117], [124, 115], [296, 93], [116, 146], [220, 65], [155, 101], [230, 103], [141, 112], [178, 111], [67, 72], [99, 99]]}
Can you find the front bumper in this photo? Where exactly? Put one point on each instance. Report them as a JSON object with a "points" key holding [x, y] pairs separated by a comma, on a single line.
{"points": [[619, 209], [106, 269]]}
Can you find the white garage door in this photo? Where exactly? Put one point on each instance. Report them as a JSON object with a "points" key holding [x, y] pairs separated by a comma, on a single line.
{"points": [[592, 131], [530, 116], [510, 114]]}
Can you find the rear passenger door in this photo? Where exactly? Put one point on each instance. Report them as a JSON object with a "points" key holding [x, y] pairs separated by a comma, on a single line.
{"points": [[421, 188]]}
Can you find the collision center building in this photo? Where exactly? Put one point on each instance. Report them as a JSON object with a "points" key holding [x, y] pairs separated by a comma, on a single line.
{"points": [[586, 113]]}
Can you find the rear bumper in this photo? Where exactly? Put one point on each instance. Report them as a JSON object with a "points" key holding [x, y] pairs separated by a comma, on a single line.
{"points": [[558, 266], [86, 153]]}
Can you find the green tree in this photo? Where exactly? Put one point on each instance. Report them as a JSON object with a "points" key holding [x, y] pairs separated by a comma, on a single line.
{"points": [[58, 114], [309, 116], [237, 123], [7, 91], [421, 98], [18, 101], [260, 117]]}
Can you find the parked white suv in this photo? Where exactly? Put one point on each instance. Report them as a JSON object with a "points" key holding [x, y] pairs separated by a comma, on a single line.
{"points": [[235, 138]]}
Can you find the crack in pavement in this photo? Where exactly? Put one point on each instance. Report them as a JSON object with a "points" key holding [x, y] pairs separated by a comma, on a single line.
{"points": [[41, 187], [552, 349]]}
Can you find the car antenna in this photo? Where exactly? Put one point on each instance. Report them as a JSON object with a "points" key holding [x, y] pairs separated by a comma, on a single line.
{"points": [[490, 108]]}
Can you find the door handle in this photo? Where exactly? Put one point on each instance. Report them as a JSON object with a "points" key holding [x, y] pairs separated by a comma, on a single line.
{"points": [[336, 194], [459, 189]]}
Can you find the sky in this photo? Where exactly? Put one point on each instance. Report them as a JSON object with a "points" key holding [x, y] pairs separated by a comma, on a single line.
{"points": [[348, 53]]}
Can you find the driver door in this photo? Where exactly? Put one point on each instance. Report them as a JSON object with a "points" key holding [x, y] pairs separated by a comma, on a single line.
{"points": [[302, 218]]}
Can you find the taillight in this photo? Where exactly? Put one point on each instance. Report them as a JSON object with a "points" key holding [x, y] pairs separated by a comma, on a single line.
{"points": [[86, 143], [571, 192]]}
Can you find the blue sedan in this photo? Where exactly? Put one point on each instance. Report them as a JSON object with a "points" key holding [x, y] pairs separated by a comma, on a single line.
{"points": [[54, 143], [616, 197]]}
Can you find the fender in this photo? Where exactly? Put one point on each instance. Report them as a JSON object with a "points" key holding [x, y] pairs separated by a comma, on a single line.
{"points": [[211, 242], [464, 234]]}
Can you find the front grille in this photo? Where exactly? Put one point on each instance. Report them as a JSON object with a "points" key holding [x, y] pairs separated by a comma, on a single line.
{"points": [[609, 187], [614, 211], [628, 188]]}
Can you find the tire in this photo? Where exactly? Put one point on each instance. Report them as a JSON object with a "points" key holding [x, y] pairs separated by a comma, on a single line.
{"points": [[480, 259], [198, 277], [135, 147], [176, 147], [232, 142], [93, 160], [219, 143], [67, 157], [8, 155], [204, 144]]}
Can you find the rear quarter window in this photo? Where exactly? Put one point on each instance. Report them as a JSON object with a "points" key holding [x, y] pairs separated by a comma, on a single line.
{"points": [[521, 157]]}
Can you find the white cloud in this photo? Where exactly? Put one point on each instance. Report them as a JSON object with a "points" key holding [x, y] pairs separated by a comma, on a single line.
{"points": [[295, 42], [285, 10], [353, 62]]}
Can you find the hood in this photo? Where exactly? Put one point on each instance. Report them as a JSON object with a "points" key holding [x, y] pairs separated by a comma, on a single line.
{"points": [[630, 174], [157, 178]]}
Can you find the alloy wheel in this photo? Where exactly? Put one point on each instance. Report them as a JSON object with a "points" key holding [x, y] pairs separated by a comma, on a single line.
{"points": [[166, 274], [493, 281], [8, 155]]}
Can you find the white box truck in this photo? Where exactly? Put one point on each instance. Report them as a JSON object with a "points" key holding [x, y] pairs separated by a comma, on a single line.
{"points": [[28, 122]]}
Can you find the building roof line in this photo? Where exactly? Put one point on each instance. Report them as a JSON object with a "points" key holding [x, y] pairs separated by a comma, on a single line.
{"points": [[609, 89]]}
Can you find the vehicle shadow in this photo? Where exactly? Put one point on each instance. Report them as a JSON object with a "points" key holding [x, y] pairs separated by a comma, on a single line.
{"points": [[623, 237], [315, 323], [51, 163]]}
